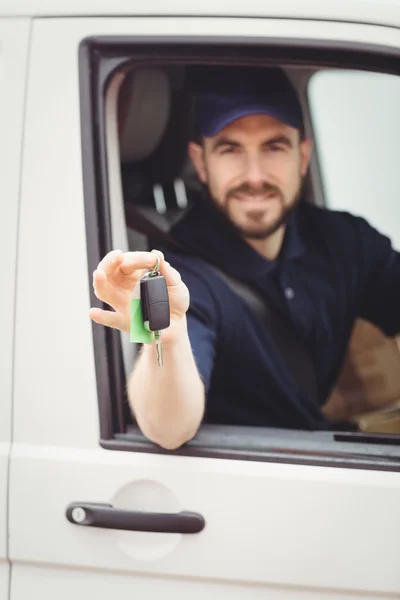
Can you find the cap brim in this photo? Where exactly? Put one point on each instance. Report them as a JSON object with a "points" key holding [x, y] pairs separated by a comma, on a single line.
{"points": [[217, 124]]}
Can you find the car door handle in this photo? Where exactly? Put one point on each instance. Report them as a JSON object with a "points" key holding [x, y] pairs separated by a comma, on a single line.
{"points": [[91, 514]]}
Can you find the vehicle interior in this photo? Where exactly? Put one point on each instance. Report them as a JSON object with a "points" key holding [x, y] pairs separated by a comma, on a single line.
{"points": [[152, 183]]}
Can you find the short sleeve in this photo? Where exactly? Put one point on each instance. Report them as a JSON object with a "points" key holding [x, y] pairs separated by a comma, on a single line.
{"points": [[202, 340], [380, 281], [202, 316]]}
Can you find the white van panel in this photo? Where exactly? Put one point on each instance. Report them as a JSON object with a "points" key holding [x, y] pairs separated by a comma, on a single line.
{"points": [[13, 53], [4, 579], [266, 524], [278, 527], [14, 37], [29, 581], [55, 389], [384, 12]]}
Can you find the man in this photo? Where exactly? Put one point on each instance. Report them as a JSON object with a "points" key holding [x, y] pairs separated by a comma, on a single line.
{"points": [[321, 269]]}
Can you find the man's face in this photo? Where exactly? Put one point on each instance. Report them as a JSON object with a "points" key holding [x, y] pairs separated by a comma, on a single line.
{"points": [[254, 169]]}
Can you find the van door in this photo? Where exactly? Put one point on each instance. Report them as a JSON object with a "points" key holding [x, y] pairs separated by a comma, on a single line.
{"points": [[276, 531], [14, 36]]}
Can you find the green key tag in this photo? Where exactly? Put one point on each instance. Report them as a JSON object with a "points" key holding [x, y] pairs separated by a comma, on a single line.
{"points": [[138, 333]]}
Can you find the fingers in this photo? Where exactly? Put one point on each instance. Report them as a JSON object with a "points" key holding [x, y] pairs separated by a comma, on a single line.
{"points": [[100, 287], [134, 264], [114, 296], [110, 263], [172, 276], [109, 319], [115, 278], [147, 260], [134, 261]]}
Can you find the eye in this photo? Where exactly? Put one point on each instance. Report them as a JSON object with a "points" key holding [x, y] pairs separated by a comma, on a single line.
{"points": [[228, 150], [274, 147]]}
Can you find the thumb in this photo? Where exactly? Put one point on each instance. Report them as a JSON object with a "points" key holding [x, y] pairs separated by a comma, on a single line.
{"points": [[110, 318], [172, 277]]}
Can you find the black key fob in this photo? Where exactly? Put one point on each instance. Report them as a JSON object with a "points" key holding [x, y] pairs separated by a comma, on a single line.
{"points": [[155, 302]]}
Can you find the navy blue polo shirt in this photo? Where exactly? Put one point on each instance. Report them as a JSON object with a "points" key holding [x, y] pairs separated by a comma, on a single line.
{"points": [[333, 267]]}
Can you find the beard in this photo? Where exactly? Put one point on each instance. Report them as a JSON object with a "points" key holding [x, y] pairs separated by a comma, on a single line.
{"points": [[255, 216]]}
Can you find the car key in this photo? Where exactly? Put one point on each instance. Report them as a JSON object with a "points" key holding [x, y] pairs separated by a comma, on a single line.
{"points": [[155, 307]]}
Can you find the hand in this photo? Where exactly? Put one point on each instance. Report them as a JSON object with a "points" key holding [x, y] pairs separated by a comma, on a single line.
{"points": [[115, 278]]}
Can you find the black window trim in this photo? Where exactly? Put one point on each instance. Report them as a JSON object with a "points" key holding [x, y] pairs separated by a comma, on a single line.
{"points": [[99, 59]]}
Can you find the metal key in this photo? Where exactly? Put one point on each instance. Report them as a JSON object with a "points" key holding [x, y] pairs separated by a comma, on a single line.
{"points": [[157, 338], [155, 306]]}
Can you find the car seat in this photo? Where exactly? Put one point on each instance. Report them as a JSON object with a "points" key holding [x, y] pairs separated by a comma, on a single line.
{"points": [[368, 389], [146, 147]]}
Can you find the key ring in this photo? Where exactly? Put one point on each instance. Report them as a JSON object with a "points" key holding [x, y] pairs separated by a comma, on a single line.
{"points": [[152, 272]]}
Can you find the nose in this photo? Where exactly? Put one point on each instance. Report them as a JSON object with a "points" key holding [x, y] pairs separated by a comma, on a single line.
{"points": [[255, 172]]}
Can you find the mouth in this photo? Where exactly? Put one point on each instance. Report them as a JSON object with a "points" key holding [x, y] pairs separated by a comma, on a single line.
{"points": [[256, 200]]}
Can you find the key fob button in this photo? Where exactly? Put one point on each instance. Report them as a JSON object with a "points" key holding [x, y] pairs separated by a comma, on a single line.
{"points": [[155, 302]]}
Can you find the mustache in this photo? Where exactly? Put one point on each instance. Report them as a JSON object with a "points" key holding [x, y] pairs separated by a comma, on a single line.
{"points": [[250, 190]]}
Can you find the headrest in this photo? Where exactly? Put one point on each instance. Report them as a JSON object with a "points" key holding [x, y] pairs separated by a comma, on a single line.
{"points": [[144, 108]]}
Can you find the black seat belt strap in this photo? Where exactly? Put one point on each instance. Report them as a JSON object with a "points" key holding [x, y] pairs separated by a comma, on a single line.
{"points": [[286, 340]]}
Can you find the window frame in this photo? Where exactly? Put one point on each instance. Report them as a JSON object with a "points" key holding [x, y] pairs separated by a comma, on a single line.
{"points": [[100, 58]]}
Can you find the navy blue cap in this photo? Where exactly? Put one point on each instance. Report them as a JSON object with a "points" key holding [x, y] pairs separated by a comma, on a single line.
{"points": [[225, 94]]}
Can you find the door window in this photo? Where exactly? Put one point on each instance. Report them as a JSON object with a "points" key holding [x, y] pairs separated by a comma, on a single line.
{"points": [[356, 125], [142, 149]]}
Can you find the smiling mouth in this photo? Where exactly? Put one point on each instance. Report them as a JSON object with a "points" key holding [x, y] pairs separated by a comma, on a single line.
{"points": [[253, 199]]}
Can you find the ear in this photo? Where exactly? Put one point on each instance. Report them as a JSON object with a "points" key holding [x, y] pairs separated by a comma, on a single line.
{"points": [[196, 153], [306, 147]]}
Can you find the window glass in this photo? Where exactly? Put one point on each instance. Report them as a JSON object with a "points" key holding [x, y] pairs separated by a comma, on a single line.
{"points": [[356, 124]]}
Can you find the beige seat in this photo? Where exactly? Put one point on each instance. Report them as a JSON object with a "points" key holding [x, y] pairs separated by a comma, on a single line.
{"points": [[368, 389], [138, 106], [147, 148]]}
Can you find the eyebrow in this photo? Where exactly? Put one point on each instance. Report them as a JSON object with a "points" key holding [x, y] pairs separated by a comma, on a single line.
{"points": [[278, 139], [223, 141]]}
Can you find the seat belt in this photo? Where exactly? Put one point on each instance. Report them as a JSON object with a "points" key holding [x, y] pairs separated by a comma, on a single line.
{"points": [[286, 339]]}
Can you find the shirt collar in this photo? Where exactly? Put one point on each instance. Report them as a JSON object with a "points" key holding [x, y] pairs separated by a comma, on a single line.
{"points": [[208, 234]]}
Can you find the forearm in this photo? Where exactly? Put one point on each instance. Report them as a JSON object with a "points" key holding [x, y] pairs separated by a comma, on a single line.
{"points": [[168, 401]]}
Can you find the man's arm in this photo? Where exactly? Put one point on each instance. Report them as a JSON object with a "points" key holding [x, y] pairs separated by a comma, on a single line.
{"points": [[168, 402]]}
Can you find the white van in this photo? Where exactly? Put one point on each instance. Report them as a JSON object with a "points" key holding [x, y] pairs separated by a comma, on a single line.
{"points": [[88, 506]]}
